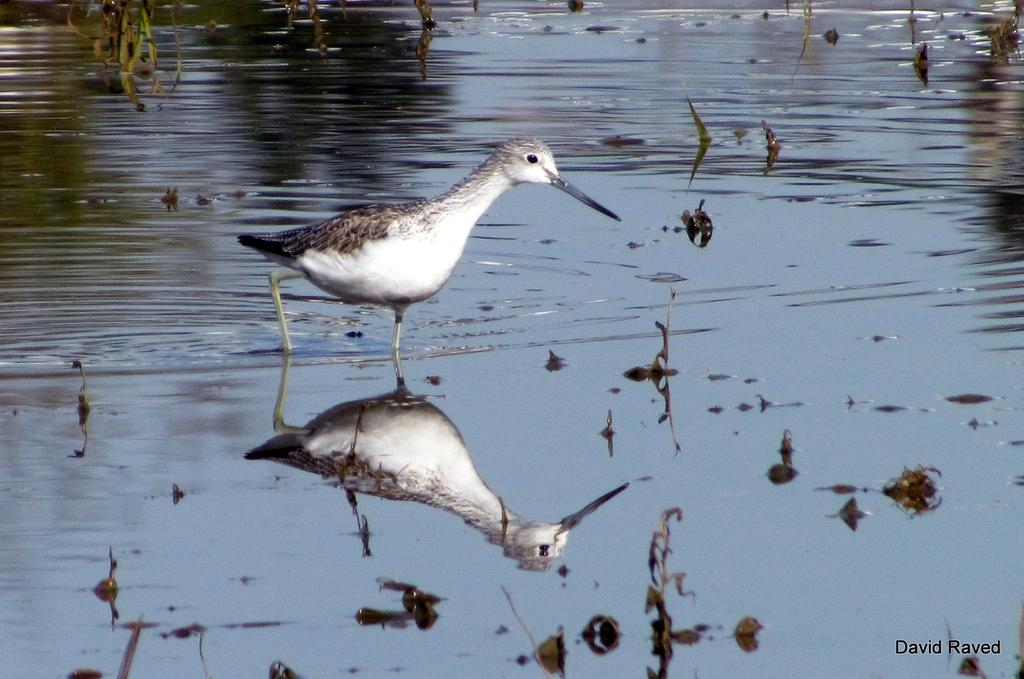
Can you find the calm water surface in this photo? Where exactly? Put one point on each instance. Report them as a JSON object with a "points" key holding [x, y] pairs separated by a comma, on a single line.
{"points": [[872, 272]]}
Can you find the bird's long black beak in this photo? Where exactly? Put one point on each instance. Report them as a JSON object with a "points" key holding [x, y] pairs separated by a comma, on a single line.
{"points": [[560, 183], [573, 520]]}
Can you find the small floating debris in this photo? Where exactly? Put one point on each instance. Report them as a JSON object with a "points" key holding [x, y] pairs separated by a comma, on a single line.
{"points": [[921, 63], [773, 145], [83, 409], [575, 6], [83, 396], [106, 589], [278, 670], [432, 380], [832, 36], [194, 629], [619, 140], [555, 362], [551, 653], [971, 667], [608, 433], [170, 198], [177, 494], [688, 636], [418, 604], [784, 472], [202, 200], [602, 29], [82, 673], [915, 490], [601, 634], [850, 514], [842, 489], [662, 277], [746, 633], [1005, 38], [968, 399], [698, 223]]}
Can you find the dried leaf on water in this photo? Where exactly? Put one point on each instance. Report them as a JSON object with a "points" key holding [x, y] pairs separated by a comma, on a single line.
{"points": [[968, 399], [418, 605], [921, 63], [832, 36], [184, 632], [555, 362], [106, 589], [373, 616], [1005, 39], [970, 667], [394, 585], [786, 447], [413, 598], [702, 131], [686, 636], [784, 472], [601, 634], [1020, 639], [608, 433], [551, 653], [660, 548], [915, 490], [170, 198], [619, 140], [773, 145], [780, 473], [851, 513], [703, 137], [698, 223], [278, 670], [840, 488], [746, 633], [426, 13]]}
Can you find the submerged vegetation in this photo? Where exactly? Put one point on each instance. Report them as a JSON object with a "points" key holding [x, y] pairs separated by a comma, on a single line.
{"points": [[123, 37]]}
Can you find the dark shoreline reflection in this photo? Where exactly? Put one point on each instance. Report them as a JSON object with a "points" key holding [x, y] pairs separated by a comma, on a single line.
{"points": [[399, 446]]}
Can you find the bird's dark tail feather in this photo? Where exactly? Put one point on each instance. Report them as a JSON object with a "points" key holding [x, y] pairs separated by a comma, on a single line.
{"points": [[263, 244]]}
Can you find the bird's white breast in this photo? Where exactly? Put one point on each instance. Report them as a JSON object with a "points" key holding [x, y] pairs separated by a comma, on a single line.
{"points": [[398, 269]]}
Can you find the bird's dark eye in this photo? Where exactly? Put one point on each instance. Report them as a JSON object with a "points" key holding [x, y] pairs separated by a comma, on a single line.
{"points": [[532, 158]]}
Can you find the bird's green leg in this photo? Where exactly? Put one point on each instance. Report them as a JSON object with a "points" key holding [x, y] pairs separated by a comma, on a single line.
{"points": [[396, 357], [276, 276], [280, 426]]}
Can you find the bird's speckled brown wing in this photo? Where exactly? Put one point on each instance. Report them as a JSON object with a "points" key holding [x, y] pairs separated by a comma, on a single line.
{"points": [[344, 233]]}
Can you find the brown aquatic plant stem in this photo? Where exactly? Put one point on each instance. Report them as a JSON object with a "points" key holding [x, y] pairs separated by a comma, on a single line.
{"points": [[129, 650], [522, 623]]}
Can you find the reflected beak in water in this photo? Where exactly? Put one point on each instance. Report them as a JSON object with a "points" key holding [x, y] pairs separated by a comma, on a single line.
{"points": [[573, 520], [560, 183]]}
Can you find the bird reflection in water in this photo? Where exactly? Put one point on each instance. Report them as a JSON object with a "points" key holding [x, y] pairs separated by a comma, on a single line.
{"points": [[399, 446]]}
